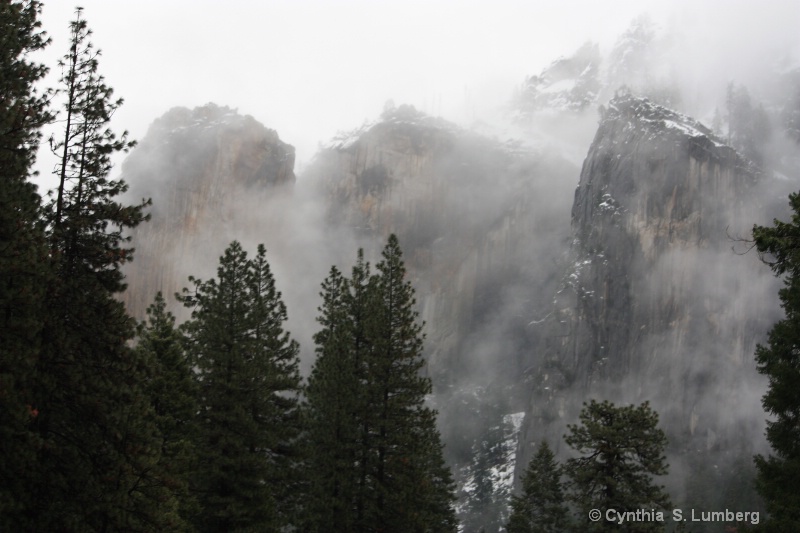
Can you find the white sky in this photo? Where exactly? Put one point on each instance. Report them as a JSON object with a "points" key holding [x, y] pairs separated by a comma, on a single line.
{"points": [[310, 68]]}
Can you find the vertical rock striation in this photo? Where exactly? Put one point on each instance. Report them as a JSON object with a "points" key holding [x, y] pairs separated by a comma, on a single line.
{"points": [[473, 217], [481, 223], [205, 170], [656, 305]]}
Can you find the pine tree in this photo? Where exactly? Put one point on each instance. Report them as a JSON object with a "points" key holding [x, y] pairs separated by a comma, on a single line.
{"points": [[541, 507], [340, 418], [23, 255], [389, 472], [98, 440], [172, 390], [621, 450], [413, 486], [281, 382], [333, 395], [248, 381], [778, 474], [361, 306]]}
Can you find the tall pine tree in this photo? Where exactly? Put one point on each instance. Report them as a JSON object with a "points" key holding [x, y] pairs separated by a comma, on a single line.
{"points": [[99, 444], [23, 253], [331, 413], [248, 382], [172, 391], [366, 402], [778, 474], [621, 450]]}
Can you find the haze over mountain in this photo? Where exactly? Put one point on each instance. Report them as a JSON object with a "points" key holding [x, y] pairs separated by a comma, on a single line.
{"points": [[570, 224], [309, 69]]}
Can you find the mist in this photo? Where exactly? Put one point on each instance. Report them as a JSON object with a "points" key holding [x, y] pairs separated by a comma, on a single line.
{"points": [[309, 69], [426, 120]]}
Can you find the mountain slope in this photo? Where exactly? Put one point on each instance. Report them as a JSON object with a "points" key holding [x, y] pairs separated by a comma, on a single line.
{"points": [[656, 305], [207, 170]]}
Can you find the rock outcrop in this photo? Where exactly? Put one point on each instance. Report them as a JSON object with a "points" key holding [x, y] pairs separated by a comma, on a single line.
{"points": [[482, 224], [205, 170], [640, 298], [656, 305], [474, 217], [567, 84]]}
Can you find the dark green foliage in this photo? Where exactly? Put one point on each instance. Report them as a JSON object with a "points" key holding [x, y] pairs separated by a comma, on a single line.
{"points": [[98, 443], [332, 412], [248, 381], [23, 253], [541, 508], [396, 389], [778, 478], [172, 391], [376, 459], [85, 219], [621, 450]]}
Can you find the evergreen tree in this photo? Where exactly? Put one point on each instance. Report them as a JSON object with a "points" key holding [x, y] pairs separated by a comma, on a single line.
{"points": [[172, 390], [385, 466], [333, 395], [541, 507], [413, 486], [282, 380], [361, 316], [778, 474], [621, 450], [248, 381], [23, 253], [99, 444]]}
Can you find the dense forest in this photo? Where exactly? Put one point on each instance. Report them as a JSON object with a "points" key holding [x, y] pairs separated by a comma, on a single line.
{"points": [[107, 424], [110, 426]]}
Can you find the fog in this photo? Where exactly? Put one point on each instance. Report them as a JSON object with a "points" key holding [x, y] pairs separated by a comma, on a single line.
{"points": [[310, 68], [486, 227]]}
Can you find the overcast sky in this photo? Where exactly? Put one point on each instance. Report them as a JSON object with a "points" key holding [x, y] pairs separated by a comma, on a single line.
{"points": [[310, 68]]}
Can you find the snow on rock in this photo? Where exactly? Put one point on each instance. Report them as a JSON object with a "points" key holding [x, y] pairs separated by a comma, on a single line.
{"points": [[487, 483]]}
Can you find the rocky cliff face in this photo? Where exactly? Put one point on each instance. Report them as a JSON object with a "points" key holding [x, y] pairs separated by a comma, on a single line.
{"points": [[639, 61], [657, 306], [474, 217], [481, 223], [639, 298], [567, 84], [205, 170]]}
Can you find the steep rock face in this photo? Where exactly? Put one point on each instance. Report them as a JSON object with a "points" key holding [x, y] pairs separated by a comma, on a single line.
{"points": [[657, 306], [640, 61], [463, 208], [567, 84], [656, 191], [204, 169], [481, 224]]}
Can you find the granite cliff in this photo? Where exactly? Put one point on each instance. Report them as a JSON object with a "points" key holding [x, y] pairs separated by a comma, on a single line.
{"points": [[474, 216], [657, 304], [482, 224], [204, 169], [640, 297]]}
